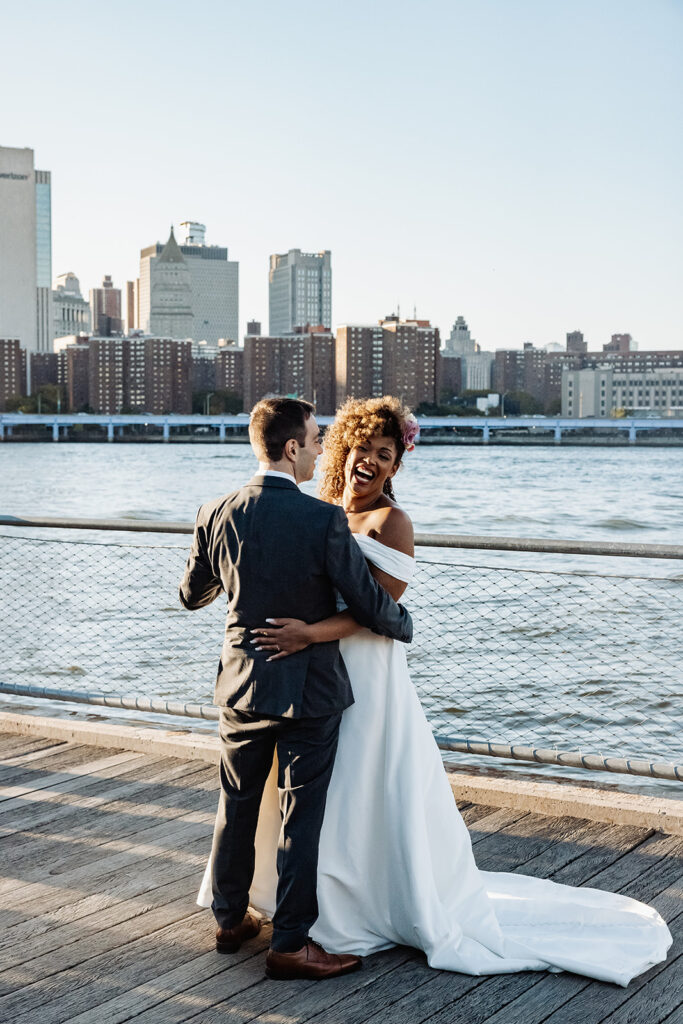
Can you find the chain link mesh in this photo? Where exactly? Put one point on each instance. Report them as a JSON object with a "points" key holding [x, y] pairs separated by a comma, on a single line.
{"points": [[567, 660]]}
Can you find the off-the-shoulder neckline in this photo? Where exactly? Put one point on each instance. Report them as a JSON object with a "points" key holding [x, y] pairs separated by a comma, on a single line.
{"points": [[366, 536]]}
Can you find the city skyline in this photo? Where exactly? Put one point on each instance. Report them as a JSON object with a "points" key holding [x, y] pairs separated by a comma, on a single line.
{"points": [[520, 166]]}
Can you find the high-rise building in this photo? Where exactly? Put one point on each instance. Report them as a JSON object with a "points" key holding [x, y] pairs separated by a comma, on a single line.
{"points": [[12, 370], [25, 251], [460, 342], [300, 365], [359, 350], [253, 327], [475, 365], [116, 374], [43, 370], [132, 305], [576, 343], [105, 309], [397, 357], [213, 282], [229, 369], [299, 291], [71, 311], [44, 314], [621, 343]]}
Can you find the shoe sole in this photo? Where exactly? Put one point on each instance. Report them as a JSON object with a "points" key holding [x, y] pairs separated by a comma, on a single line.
{"points": [[297, 976]]}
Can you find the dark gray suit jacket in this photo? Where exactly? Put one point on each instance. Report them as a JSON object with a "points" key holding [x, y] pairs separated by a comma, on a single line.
{"points": [[276, 552]]}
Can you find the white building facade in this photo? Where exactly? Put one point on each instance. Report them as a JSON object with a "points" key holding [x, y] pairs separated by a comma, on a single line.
{"points": [[18, 248], [602, 391], [476, 365], [71, 312], [214, 286], [299, 291]]}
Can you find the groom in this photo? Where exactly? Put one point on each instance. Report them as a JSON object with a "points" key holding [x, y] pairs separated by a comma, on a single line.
{"points": [[277, 552]]}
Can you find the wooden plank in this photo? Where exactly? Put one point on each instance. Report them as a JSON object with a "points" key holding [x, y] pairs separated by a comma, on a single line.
{"points": [[118, 819], [24, 784], [15, 894], [171, 977], [39, 928], [491, 824], [12, 744], [160, 840]]}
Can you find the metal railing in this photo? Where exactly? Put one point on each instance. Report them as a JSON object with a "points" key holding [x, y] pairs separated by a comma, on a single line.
{"points": [[573, 668]]}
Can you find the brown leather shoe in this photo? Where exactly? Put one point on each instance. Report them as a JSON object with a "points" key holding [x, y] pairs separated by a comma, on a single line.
{"points": [[311, 961], [229, 940]]}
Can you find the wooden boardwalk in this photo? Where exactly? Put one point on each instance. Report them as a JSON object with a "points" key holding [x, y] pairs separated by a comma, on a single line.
{"points": [[102, 851]]}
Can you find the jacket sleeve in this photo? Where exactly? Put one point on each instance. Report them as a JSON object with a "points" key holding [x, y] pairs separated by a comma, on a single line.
{"points": [[367, 601], [199, 585]]}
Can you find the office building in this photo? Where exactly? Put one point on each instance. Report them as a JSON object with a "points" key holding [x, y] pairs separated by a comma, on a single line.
{"points": [[212, 293], [299, 291], [25, 251], [44, 314], [105, 309], [12, 371], [71, 311], [604, 390], [474, 370]]}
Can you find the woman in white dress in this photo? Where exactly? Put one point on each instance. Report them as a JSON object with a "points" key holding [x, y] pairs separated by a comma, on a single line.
{"points": [[396, 865]]}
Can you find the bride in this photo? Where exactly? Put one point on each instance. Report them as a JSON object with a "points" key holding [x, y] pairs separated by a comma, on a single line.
{"points": [[396, 865]]}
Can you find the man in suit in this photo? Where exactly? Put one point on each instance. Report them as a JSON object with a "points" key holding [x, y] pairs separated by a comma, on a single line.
{"points": [[277, 552]]}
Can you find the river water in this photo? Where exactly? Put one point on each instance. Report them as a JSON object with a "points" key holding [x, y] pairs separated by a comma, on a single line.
{"points": [[554, 650]]}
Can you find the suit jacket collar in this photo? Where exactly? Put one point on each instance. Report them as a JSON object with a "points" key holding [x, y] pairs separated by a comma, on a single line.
{"points": [[261, 480]]}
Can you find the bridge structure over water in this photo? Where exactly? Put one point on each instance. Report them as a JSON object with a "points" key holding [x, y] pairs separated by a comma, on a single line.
{"points": [[57, 425]]}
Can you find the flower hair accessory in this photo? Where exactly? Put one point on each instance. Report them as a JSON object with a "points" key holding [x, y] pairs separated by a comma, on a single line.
{"points": [[411, 432]]}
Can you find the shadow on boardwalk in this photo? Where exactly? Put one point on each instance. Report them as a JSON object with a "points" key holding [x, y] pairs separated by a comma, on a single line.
{"points": [[102, 852]]}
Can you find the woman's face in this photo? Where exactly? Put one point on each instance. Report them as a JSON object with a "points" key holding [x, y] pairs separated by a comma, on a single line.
{"points": [[370, 464]]}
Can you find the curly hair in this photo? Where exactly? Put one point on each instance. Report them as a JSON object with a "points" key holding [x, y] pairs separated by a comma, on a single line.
{"points": [[356, 421]]}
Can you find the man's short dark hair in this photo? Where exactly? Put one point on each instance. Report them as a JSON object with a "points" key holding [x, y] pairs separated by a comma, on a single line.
{"points": [[274, 421]]}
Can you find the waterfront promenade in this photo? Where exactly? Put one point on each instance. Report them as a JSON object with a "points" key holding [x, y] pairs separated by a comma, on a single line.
{"points": [[102, 852]]}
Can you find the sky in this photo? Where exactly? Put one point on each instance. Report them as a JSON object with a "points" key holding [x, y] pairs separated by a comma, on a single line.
{"points": [[519, 164]]}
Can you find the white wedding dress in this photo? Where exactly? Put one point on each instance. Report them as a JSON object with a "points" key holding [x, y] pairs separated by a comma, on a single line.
{"points": [[396, 865]]}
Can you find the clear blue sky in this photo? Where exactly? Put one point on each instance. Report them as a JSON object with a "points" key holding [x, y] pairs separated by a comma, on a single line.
{"points": [[517, 163]]}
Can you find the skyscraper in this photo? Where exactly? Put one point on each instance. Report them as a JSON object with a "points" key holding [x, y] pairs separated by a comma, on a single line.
{"points": [[299, 291], [44, 316], [213, 281], [25, 251], [71, 310], [105, 307], [166, 285]]}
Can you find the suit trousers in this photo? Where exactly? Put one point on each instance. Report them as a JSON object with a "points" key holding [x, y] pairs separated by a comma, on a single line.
{"points": [[306, 748]]}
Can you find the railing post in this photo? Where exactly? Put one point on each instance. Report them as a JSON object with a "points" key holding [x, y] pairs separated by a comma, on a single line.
{"points": [[558, 434], [632, 434], [55, 431], [110, 431], [221, 431], [167, 431]]}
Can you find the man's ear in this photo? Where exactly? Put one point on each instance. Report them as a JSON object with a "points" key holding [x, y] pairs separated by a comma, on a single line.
{"points": [[290, 449]]}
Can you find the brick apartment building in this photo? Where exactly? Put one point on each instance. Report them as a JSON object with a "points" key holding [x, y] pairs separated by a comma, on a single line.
{"points": [[12, 370], [397, 357]]}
